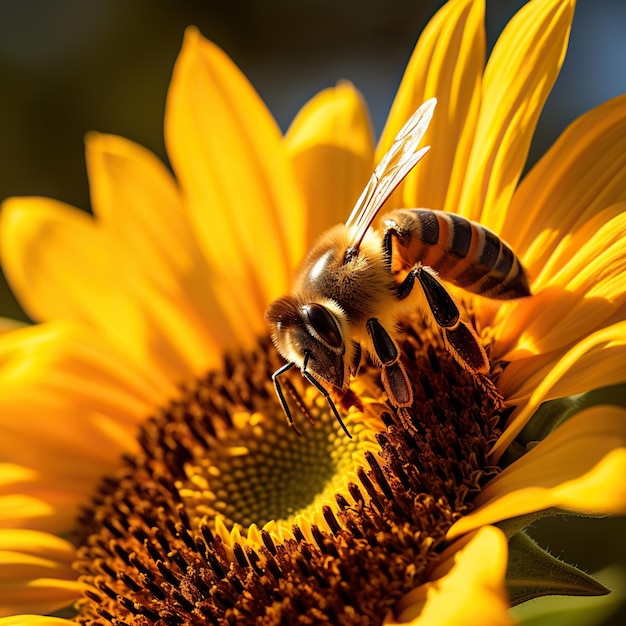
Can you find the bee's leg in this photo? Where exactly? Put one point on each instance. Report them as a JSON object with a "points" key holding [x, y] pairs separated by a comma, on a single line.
{"points": [[388, 246], [464, 345], [410, 233], [281, 396], [394, 376], [461, 339], [323, 391], [392, 230], [443, 307]]}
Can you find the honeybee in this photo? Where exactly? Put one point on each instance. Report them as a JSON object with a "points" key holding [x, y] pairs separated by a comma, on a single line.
{"points": [[355, 283]]}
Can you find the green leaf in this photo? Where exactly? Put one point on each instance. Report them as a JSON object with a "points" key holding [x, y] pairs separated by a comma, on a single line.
{"points": [[533, 573], [547, 418], [615, 394], [568, 611]]}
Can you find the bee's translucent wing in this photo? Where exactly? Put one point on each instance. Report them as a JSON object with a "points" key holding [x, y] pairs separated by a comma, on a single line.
{"points": [[393, 168]]}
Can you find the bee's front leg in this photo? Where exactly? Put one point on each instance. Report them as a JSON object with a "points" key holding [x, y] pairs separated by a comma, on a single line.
{"points": [[392, 231], [393, 375]]}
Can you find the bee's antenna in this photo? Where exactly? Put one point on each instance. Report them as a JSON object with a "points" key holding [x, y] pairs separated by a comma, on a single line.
{"points": [[281, 396], [297, 398], [322, 390]]}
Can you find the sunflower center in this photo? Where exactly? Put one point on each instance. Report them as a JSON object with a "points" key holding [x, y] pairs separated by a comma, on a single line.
{"points": [[260, 471], [229, 516]]}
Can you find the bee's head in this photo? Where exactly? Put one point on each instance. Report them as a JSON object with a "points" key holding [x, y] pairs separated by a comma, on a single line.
{"points": [[316, 328]]}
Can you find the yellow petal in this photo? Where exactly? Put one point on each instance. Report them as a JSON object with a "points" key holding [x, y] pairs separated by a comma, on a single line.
{"points": [[138, 204], [592, 238], [24, 582], [579, 467], [581, 174], [62, 266], [331, 146], [50, 550], [43, 503], [56, 261], [467, 588], [34, 620], [576, 299], [596, 361], [136, 274], [11, 474], [35, 572], [68, 409], [518, 78], [7, 325], [46, 595], [58, 366], [236, 175], [447, 63], [22, 511], [135, 196]]}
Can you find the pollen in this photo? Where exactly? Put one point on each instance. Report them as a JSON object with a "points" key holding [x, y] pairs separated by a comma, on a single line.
{"points": [[229, 516]]}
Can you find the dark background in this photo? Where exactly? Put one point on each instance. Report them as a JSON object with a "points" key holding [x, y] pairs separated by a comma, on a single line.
{"points": [[70, 66]]}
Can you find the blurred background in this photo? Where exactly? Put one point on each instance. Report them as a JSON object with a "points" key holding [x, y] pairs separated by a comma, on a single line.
{"points": [[70, 66]]}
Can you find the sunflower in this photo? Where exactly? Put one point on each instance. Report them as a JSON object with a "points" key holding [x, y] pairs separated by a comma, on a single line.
{"points": [[148, 473]]}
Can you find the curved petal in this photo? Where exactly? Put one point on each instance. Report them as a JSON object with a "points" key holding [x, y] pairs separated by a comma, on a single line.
{"points": [[18, 510], [331, 146], [583, 173], [597, 361], [35, 572], [68, 409], [33, 499], [591, 237], [138, 204], [518, 78], [56, 261], [468, 586], [62, 265], [578, 297], [236, 176], [135, 197], [579, 467], [7, 325], [448, 63], [34, 620]]}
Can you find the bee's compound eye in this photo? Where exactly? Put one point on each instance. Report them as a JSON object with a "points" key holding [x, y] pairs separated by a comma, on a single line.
{"points": [[324, 323]]}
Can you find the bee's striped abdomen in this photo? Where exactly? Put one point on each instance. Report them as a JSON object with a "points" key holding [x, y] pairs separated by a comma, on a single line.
{"points": [[460, 251]]}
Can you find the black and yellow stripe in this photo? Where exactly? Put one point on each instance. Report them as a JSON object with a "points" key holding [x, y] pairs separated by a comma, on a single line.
{"points": [[460, 251]]}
